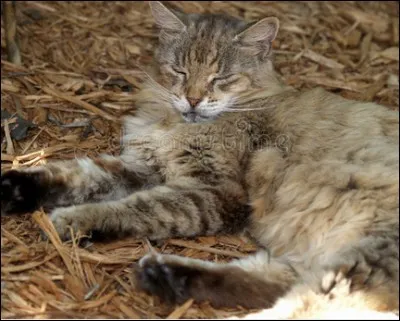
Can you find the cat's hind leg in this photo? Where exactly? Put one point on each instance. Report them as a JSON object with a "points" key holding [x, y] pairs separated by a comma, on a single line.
{"points": [[365, 282], [359, 281], [254, 282], [64, 183]]}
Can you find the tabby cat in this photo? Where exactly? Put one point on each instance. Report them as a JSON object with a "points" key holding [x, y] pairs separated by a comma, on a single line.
{"points": [[219, 144]]}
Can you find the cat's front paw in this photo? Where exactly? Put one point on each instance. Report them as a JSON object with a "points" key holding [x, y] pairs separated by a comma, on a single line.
{"points": [[22, 192], [159, 275], [71, 219]]}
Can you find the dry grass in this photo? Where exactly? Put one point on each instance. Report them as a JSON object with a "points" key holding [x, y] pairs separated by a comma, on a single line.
{"points": [[79, 69]]}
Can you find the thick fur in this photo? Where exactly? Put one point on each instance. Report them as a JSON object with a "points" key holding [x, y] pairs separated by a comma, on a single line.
{"points": [[220, 145]]}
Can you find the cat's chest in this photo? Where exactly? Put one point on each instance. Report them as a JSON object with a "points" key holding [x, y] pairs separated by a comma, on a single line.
{"points": [[192, 149], [201, 149], [200, 141]]}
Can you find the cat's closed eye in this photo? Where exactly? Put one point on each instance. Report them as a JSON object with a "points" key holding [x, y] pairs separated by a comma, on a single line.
{"points": [[221, 79], [224, 83], [174, 73], [180, 72]]}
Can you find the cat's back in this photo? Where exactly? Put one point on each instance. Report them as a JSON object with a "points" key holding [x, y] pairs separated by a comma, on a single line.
{"points": [[323, 125]]}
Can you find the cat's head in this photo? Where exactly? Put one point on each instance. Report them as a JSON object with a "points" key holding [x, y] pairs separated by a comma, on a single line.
{"points": [[205, 61]]}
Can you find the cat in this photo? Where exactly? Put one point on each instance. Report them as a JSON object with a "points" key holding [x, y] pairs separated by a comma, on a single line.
{"points": [[219, 144]]}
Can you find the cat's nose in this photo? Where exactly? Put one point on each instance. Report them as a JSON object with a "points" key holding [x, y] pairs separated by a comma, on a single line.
{"points": [[193, 101]]}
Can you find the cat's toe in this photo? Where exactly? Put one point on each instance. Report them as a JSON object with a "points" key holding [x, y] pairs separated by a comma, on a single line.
{"points": [[353, 271], [21, 192], [68, 222], [168, 281]]}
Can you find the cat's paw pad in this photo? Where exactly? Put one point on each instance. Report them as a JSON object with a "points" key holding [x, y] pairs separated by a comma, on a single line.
{"points": [[69, 220], [167, 280], [21, 192]]}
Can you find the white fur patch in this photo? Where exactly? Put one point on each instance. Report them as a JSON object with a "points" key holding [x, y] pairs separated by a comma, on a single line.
{"points": [[213, 109], [182, 105], [343, 314]]}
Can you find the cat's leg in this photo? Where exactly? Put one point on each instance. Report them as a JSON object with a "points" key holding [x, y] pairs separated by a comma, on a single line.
{"points": [[363, 277], [254, 282], [360, 280], [64, 183], [183, 208]]}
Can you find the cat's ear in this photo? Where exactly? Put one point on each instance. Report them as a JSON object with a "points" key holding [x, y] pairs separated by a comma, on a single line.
{"points": [[259, 36], [165, 18]]}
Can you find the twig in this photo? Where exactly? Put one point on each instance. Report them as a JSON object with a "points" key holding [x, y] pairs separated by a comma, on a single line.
{"points": [[79, 102], [10, 27], [27, 266], [181, 310], [191, 245], [10, 146], [12, 237]]}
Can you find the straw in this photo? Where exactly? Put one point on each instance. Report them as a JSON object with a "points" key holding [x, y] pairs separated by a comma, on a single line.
{"points": [[81, 64]]}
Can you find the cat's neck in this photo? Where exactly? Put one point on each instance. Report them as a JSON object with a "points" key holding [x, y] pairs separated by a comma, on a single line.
{"points": [[271, 81]]}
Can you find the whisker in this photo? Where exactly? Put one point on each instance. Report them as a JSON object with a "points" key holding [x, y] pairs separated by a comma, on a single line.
{"points": [[211, 106], [232, 110], [149, 82]]}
